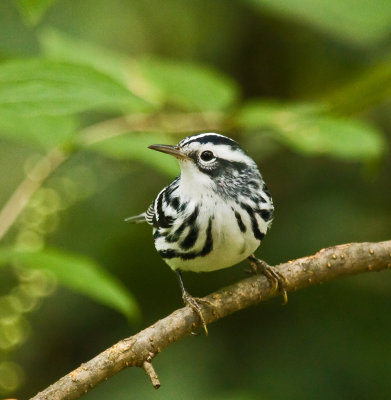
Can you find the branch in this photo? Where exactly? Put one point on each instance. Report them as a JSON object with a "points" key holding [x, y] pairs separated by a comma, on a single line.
{"points": [[140, 349], [26, 189]]}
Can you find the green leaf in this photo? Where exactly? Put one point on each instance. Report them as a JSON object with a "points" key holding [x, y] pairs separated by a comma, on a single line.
{"points": [[33, 10], [59, 46], [307, 129], [45, 131], [78, 273], [366, 90], [189, 87], [357, 21], [134, 146], [46, 87]]}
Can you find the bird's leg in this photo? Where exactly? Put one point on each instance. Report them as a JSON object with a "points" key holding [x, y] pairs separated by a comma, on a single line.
{"points": [[193, 302], [274, 277]]}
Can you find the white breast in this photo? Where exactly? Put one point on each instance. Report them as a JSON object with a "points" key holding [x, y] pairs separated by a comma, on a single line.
{"points": [[230, 245]]}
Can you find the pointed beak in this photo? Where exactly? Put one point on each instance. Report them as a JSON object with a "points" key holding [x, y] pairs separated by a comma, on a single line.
{"points": [[172, 150]]}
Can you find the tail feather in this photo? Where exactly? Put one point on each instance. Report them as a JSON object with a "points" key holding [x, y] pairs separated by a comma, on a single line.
{"points": [[136, 219]]}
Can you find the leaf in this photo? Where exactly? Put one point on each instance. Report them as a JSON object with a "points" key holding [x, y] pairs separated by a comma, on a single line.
{"points": [[307, 129], [366, 90], [33, 10], [45, 87], [46, 131], [187, 86], [357, 21], [134, 146], [78, 273], [59, 46]]}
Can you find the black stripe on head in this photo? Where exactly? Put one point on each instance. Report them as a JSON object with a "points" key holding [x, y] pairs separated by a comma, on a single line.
{"points": [[209, 138], [223, 166]]}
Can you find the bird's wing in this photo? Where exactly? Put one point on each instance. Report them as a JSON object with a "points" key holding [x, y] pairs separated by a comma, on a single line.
{"points": [[161, 212]]}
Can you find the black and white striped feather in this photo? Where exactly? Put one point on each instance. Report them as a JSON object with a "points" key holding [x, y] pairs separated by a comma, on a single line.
{"points": [[214, 214]]}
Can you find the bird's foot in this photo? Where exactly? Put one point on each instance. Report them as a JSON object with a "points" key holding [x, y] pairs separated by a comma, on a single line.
{"points": [[194, 304], [276, 279]]}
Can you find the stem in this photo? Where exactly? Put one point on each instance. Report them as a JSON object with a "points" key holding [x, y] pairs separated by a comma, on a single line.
{"points": [[26, 189]]}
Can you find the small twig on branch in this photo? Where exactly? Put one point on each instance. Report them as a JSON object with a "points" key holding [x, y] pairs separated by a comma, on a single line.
{"points": [[150, 371], [138, 350]]}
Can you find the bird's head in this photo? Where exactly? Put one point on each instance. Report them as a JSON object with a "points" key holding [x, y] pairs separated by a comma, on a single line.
{"points": [[212, 160]]}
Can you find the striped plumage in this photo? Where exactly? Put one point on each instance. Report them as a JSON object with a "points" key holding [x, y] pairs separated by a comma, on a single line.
{"points": [[214, 214]]}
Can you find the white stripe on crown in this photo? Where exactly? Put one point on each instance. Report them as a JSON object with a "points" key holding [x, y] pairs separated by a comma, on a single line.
{"points": [[199, 136]]}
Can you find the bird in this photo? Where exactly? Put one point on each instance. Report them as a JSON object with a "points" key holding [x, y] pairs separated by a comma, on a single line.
{"points": [[214, 214]]}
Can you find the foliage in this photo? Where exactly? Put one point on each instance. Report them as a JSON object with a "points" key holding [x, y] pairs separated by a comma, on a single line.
{"points": [[358, 21], [309, 129], [75, 271], [33, 10], [101, 82]]}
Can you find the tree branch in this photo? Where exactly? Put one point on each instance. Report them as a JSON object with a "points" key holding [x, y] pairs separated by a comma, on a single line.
{"points": [[140, 349]]}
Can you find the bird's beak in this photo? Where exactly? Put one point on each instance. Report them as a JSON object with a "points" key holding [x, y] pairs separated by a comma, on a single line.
{"points": [[172, 150]]}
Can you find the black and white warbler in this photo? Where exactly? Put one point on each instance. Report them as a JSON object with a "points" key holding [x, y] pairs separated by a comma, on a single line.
{"points": [[215, 214]]}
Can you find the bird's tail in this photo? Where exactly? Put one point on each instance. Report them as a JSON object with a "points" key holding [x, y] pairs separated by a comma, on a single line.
{"points": [[136, 219]]}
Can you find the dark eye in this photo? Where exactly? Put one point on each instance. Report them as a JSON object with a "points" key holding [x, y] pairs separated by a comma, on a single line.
{"points": [[207, 155]]}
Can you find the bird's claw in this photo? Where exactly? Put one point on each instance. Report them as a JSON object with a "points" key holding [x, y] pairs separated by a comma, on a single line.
{"points": [[193, 303], [276, 279]]}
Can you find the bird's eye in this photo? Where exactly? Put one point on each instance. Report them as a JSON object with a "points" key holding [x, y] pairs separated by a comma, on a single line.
{"points": [[207, 155]]}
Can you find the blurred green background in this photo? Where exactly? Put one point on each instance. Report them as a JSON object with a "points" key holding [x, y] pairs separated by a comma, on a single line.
{"points": [[303, 85]]}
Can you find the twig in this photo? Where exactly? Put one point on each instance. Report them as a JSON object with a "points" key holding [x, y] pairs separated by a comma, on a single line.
{"points": [[26, 189], [150, 371], [137, 350]]}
